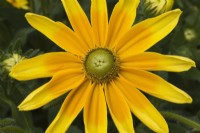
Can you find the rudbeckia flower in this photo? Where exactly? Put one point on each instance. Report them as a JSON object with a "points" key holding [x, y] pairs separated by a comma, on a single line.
{"points": [[104, 64], [19, 4]]}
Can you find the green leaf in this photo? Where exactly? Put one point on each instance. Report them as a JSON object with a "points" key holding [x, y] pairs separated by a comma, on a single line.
{"points": [[6, 121], [12, 129]]}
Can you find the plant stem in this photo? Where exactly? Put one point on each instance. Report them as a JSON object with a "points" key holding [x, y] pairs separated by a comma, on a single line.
{"points": [[181, 119]]}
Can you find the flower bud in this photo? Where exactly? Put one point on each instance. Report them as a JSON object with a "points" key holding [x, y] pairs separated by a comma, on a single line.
{"points": [[156, 7], [12, 61], [189, 34]]}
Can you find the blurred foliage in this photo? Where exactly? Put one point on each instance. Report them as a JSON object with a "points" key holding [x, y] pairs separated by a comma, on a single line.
{"points": [[16, 36]]}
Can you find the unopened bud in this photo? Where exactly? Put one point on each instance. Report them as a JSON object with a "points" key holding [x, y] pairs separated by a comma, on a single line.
{"points": [[157, 7], [189, 34], [12, 61]]}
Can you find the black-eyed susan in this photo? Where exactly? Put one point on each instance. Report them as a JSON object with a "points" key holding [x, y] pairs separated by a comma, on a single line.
{"points": [[105, 65], [21, 4]]}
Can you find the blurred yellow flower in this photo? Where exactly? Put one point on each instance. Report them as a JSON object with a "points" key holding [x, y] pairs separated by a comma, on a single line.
{"points": [[190, 34], [23, 4], [105, 65], [156, 7]]}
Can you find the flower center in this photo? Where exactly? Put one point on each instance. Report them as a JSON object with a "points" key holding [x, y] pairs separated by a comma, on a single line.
{"points": [[101, 65]]}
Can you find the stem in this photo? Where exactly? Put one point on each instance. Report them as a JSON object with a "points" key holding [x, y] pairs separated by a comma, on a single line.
{"points": [[181, 119]]}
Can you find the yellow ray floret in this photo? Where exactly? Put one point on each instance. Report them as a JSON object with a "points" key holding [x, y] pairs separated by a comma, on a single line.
{"points": [[23, 4]]}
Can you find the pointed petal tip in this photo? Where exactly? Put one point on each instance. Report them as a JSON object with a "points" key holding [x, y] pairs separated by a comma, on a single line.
{"points": [[13, 75], [163, 129], [190, 61], [23, 107], [185, 99], [20, 107], [189, 100], [28, 14], [177, 10], [193, 64]]}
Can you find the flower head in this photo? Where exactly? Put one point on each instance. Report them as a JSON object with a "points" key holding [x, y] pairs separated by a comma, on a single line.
{"points": [[19, 4], [105, 65], [156, 7]]}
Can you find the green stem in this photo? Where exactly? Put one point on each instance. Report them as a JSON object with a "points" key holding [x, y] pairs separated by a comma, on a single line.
{"points": [[181, 119]]}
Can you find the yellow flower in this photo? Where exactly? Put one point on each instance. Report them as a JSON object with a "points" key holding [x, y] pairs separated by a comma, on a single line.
{"points": [[190, 34], [105, 64], [19, 4], [156, 7]]}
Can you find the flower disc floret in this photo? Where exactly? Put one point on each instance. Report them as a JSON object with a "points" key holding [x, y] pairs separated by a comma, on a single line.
{"points": [[101, 65]]}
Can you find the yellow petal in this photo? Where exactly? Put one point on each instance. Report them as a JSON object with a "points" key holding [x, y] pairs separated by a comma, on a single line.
{"points": [[121, 20], [19, 3], [154, 61], [147, 33], [71, 107], [59, 33], [155, 85], [95, 111], [44, 65], [119, 110], [79, 21], [61, 83], [99, 20], [141, 107]]}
